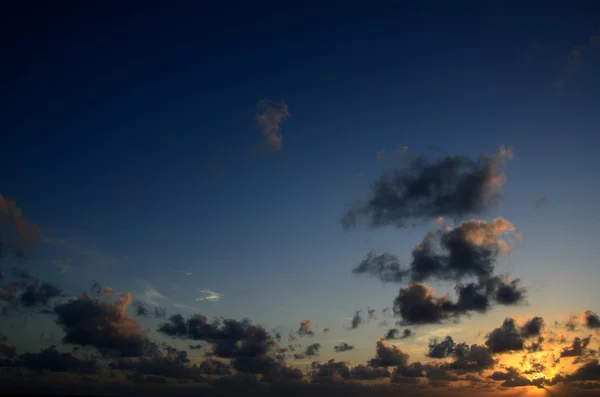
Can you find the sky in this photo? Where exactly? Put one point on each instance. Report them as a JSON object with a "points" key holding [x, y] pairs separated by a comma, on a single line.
{"points": [[290, 174]]}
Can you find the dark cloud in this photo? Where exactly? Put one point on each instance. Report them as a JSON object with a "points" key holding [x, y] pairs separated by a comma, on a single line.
{"points": [[474, 358], [577, 348], [588, 371], [230, 338], [505, 338], [196, 347], [357, 320], [27, 294], [386, 267], [416, 304], [591, 319], [312, 350], [52, 360], [343, 347], [388, 356], [144, 311], [3, 337], [452, 186], [441, 349], [305, 328], [532, 327], [105, 326], [468, 250], [413, 370], [255, 364], [394, 333], [513, 378], [214, 367], [283, 374], [39, 294], [371, 314], [510, 293], [363, 372], [331, 369]]}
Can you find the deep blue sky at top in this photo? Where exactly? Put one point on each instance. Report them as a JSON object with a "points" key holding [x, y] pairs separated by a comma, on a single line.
{"points": [[109, 112]]}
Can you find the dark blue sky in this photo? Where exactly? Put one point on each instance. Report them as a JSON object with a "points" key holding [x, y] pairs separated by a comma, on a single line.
{"points": [[109, 114]]}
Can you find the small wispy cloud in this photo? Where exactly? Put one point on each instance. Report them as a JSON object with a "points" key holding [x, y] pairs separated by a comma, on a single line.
{"points": [[270, 115], [209, 295], [576, 60]]}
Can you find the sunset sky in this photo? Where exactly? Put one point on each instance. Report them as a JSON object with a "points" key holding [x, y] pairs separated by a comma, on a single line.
{"points": [[328, 171]]}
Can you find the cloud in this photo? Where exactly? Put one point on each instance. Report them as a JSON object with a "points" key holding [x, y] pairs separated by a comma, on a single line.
{"points": [[470, 249], [27, 294], [305, 328], [357, 320], [270, 115], [325, 331], [312, 350], [52, 360], [394, 333], [16, 233], [105, 326], [209, 295], [380, 154], [591, 319], [513, 378], [577, 348], [327, 371], [384, 266], [363, 372], [230, 338], [539, 201], [441, 349], [343, 347], [142, 310], [388, 356], [416, 304], [509, 337], [452, 186]]}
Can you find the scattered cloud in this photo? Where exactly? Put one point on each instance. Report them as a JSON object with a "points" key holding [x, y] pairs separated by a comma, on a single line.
{"points": [[209, 295], [452, 186], [539, 201], [16, 233], [343, 347], [305, 328], [270, 115]]}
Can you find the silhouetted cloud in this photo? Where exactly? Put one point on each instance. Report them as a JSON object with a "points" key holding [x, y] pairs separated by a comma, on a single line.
{"points": [[105, 326], [312, 350], [142, 310], [513, 378], [577, 348], [326, 371], [416, 304], [52, 360], [473, 358], [230, 338], [270, 115], [591, 319], [305, 328], [357, 320], [441, 349], [532, 327], [452, 186], [509, 337], [343, 347], [384, 266], [388, 356], [394, 333], [363, 372]]}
